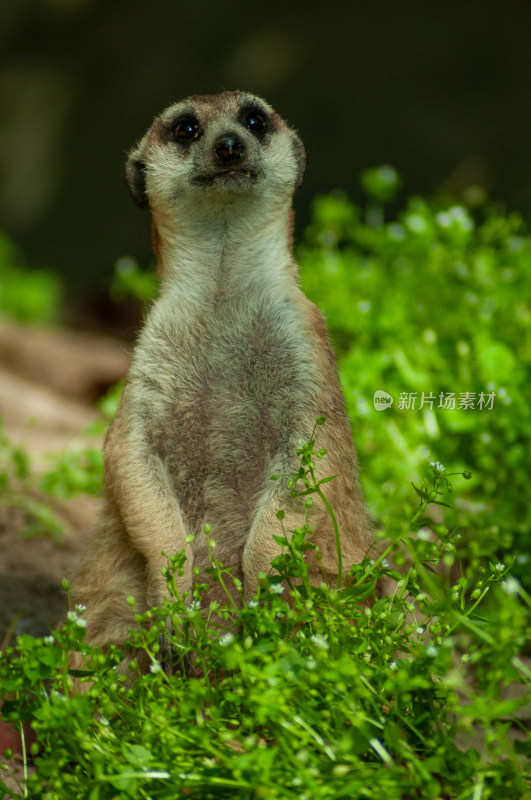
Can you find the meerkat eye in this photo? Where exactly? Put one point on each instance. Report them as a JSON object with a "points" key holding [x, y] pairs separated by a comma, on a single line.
{"points": [[186, 129], [255, 122]]}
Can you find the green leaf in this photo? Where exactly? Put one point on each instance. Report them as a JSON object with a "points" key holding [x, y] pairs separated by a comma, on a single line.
{"points": [[328, 479]]}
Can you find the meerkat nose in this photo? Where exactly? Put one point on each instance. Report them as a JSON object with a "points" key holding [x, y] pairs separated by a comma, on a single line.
{"points": [[229, 148]]}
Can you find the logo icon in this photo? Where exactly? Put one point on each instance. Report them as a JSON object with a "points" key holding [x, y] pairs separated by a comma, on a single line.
{"points": [[382, 400]]}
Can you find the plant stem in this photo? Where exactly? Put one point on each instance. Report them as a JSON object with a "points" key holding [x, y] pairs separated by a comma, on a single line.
{"points": [[24, 758], [336, 534]]}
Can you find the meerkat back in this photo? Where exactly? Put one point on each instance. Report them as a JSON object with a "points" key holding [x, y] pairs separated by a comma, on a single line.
{"points": [[231, 370]]}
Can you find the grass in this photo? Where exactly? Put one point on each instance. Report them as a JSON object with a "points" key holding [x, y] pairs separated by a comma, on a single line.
{"points": [[320, 696]]}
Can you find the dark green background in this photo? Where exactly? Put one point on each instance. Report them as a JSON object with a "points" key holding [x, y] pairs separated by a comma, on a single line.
{"points": [[440, 90]]}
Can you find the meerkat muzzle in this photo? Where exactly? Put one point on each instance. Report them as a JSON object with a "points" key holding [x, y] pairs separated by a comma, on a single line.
{"points": [[229, 148]]}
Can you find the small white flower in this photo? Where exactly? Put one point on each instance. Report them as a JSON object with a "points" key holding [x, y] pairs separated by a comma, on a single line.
{"points": [[431, 651], [420, 628], [155, 667], [277, 588], [226, 639], [436, 466], [49, 639], [320, 641], [500, 567], [80, 608], [393, 665], [76, 619], [510, 586], [253, 603]]}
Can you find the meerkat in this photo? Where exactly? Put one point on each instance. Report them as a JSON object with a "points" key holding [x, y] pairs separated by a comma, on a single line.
{"points": [[231, 369]]}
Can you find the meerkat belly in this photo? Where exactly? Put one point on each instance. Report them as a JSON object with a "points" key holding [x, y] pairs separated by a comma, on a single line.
{"points": [[233, 404]]}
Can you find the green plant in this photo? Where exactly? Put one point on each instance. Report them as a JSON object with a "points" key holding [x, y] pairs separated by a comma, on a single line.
{"points": [[425, 304], [35, 486], [131, 281], [27, 295], [308, 696], [76, 469], [18, 489]]}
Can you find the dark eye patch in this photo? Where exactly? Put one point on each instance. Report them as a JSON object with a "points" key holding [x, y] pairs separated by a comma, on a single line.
{"points": [[255, 119], [255, 122], [186, 129]]}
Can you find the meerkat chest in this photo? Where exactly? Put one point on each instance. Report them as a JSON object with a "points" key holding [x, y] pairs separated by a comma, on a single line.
{"points": [[220, 394], [242, 352]]}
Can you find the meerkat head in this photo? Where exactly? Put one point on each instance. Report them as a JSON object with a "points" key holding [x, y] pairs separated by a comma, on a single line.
{"points": [[215, 148]]}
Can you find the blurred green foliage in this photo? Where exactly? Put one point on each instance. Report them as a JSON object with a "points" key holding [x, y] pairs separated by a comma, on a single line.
{"points": [[27, 295], [35, 488], [434, 299], [131, 281]]}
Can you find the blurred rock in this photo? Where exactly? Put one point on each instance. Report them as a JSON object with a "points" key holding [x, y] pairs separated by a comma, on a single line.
{"points": [[81, 365]]}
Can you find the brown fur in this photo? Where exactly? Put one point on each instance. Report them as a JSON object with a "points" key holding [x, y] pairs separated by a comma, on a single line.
{"points": [[231, 370]]}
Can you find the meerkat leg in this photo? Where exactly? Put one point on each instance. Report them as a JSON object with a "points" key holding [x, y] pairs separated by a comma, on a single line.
{"points": [[143, 526], [140, 486], [261, 546], [344, 497], [156, 529], [154, 524], [109, 572]]}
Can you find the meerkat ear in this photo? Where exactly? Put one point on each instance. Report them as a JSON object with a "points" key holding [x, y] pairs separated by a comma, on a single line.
{"points": [[299, 152], [135, 176]]}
